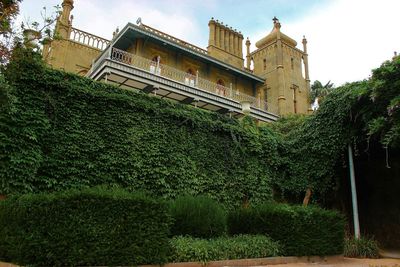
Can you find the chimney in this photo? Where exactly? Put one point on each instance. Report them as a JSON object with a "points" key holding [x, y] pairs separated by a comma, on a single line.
{"points": [[225, 43]]}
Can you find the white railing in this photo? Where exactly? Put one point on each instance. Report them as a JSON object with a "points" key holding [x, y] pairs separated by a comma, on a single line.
{"points": [[185, 78], [174, 39], [88, 39]]}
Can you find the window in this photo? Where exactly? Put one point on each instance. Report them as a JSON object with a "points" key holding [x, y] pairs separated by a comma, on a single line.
{"points": [[292, 63], [155, 67], [221, 89], [190, 77], [265, 63]]}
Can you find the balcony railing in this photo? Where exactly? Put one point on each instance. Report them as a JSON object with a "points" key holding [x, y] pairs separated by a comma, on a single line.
{"points": [[174, 39], [185, 78], [88, 39]]}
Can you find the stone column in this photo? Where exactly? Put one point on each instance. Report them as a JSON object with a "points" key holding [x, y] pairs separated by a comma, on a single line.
{"points": [[281, 76], [248, 58], [222, 38], [236, 45], [240, 46], [217, 35], [231, 49], [211, 38]]}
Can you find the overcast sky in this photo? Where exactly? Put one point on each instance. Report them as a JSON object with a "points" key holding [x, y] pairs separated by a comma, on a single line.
{"points": [[346, 38]]}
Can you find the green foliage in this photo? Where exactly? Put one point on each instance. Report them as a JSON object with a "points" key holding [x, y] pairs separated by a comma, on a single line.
{"points": [[198, 216], [300, 230], [187, 249], [94, 227], [320, 91], [71, 132], [361, 248]]}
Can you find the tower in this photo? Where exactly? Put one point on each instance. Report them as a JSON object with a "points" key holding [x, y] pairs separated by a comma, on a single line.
{"points": [[64, 21], [285, 69]]}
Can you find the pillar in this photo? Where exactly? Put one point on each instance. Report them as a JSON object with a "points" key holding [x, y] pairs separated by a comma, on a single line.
{"points": [[222, 38], [240, 54], [211, 38], [231, 47], [217, 35], [236, 45], [248, 58]]}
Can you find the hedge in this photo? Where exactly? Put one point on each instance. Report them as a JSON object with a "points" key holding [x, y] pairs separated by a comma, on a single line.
{"points": [[188, 249], [198, 216], [89, 227], [300, 230]]}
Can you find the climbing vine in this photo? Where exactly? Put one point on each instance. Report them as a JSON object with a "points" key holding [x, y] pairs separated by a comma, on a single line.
{"points": [[61, 131]]}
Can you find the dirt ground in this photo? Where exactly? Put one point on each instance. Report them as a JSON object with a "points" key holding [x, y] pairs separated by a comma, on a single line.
{"points": [[351, 262]]}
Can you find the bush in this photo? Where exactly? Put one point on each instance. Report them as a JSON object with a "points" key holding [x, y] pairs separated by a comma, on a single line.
{"points": [[90, 227], [186, 249], [198, 217], [300, 230], [361, 248]]}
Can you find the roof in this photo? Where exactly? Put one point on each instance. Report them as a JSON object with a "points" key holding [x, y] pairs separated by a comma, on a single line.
{"points": [[274, 35], [131, 30]]}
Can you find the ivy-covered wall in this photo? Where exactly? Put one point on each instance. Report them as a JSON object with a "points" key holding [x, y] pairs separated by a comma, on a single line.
{"points": [[61, 131]]}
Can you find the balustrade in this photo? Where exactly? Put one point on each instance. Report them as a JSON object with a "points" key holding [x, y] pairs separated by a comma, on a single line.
{"points": [[88, 39], [185, 78]]}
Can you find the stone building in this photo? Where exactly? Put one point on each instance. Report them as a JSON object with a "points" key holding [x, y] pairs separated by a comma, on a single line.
{"points": [[272, 81]]}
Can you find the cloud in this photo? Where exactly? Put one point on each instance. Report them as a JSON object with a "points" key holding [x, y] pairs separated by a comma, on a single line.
{"points": [[348, 38], [103, 21]]}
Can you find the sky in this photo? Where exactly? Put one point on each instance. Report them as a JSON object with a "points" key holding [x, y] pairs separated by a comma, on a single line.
{"points": [[346, 38]]}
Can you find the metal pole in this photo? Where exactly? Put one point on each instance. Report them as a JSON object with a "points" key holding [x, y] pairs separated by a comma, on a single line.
{"points": [[354, 194]]}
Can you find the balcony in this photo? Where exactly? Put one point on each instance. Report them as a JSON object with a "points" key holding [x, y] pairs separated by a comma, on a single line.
{"points": [[130, 71]]}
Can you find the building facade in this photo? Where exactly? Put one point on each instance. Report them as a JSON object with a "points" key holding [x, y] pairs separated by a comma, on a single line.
{"points": [[274, 82]]}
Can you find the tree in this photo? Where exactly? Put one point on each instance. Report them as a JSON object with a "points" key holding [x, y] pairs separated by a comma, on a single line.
{"points": [[9, 9], [11, 36], [319, 91]]}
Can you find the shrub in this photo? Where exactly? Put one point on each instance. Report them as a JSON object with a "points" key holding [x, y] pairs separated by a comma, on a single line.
{"points": [[186, 249], [198, 217], [90, 227], [300, 230], [361, 248]]}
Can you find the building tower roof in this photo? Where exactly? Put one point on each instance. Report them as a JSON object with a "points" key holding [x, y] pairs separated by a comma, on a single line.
{"points": [[274, 35]]}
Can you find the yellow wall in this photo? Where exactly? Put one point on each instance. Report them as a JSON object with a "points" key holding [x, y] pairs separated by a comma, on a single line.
{"points": [[184, 62], [293, 77], [70, 56]]}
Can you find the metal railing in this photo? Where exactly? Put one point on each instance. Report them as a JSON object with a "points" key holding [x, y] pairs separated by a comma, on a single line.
{"points": [[185, 78], [88, 39], [174, 39]]}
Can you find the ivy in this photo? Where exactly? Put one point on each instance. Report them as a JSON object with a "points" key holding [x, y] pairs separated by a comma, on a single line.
{"points": [[72, 132], [61, 131]]}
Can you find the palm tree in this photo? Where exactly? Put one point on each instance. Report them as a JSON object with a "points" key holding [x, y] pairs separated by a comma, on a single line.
{"points": [[319, 91]]}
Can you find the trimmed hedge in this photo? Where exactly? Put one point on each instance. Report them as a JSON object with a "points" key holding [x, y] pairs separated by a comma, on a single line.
{"points": [[198, 216], [89, 227], [301, 230], [187, 249]]}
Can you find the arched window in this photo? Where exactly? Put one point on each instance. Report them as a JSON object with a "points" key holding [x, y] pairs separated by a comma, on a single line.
{"points": [[190, 77], [221, 89], [155, 66]]}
